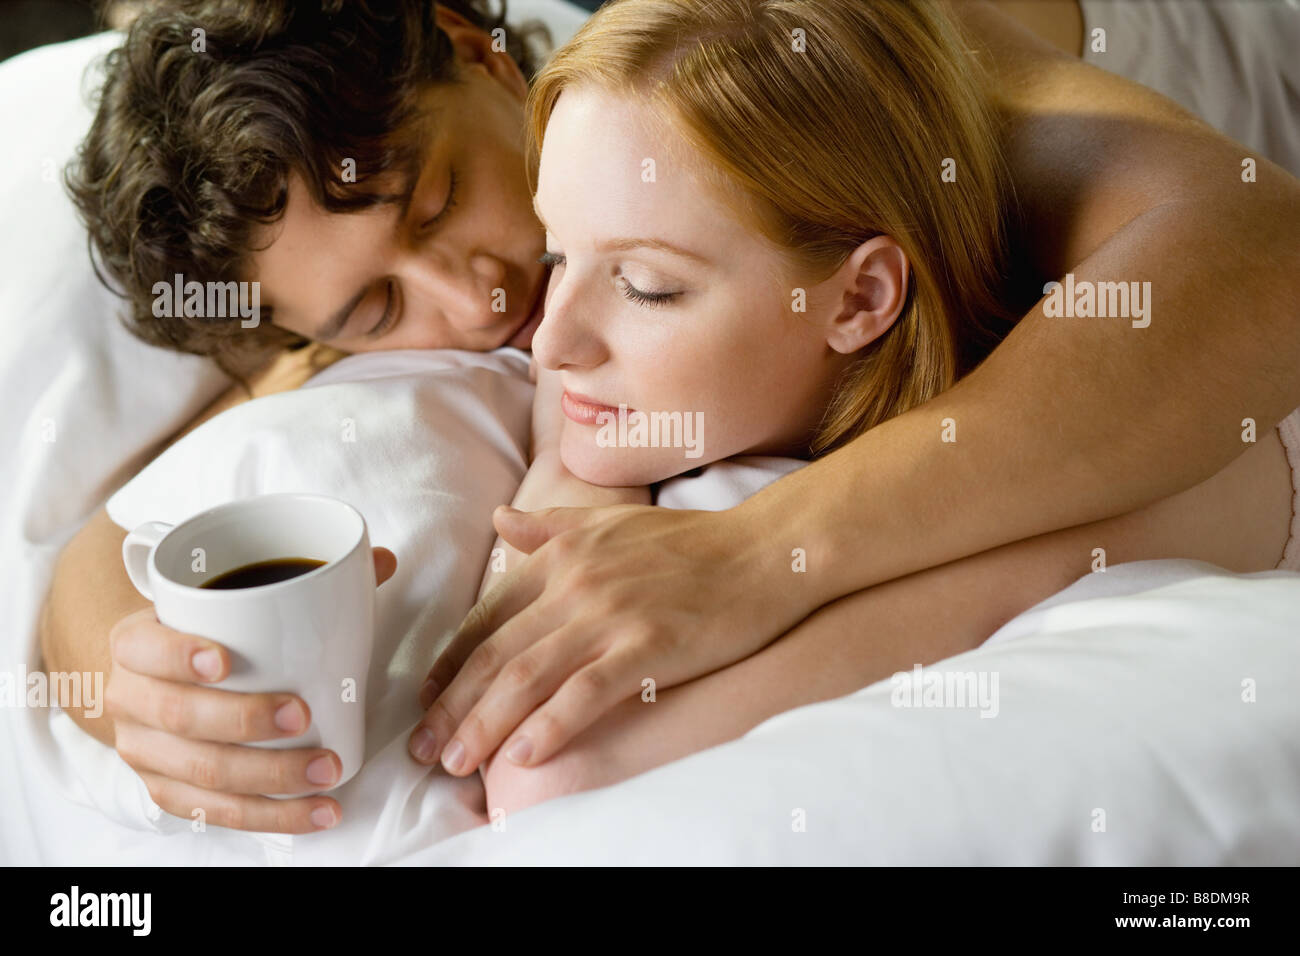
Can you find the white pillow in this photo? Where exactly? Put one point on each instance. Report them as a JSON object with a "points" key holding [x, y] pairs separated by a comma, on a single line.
{"points": [[424, 444]]}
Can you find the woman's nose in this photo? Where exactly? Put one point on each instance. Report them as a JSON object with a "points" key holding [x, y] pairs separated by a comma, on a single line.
{"points": [[565, 339]]}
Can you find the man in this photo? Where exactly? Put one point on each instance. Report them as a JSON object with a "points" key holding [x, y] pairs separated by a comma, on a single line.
{"points": [[363, 163]]}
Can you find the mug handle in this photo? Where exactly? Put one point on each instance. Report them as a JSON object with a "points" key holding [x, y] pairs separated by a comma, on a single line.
{"points": [[136, 548]]}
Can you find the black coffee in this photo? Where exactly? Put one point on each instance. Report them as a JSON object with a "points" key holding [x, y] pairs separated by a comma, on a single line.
{"points": [[263, 572]]}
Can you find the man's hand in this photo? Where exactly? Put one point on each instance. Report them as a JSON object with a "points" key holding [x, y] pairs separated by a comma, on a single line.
{"points": [[609, 598], [185, 740]]}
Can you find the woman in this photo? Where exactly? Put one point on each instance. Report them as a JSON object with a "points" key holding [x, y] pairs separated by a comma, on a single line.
{"points": [[675, 295], [1089, 191]]}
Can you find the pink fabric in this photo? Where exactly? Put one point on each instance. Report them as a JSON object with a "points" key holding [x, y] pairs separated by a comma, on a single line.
{"points": [[1289, 431]]}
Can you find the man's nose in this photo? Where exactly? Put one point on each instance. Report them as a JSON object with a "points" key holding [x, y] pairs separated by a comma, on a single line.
{"points": [[471, 294]]}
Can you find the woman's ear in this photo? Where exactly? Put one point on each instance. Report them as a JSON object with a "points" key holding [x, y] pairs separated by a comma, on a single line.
{"points": [[475, 47], [869, 291]]}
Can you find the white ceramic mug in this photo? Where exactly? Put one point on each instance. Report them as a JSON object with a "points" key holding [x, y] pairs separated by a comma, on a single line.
{"points": [[310, 635]]}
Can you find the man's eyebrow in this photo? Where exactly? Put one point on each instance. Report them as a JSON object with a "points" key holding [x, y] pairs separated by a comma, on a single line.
{"points": [[334, 324], [423, 145], [402, 200]]}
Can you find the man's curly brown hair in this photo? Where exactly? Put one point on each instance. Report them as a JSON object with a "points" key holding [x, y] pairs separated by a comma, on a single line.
{"points": [[190, 152]]}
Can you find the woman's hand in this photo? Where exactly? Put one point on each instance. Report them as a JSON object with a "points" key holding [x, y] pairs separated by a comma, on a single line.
{"points": [[184, 739], [610, 604]]}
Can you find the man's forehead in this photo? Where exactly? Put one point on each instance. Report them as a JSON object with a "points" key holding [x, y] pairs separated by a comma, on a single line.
{"points": [[310, 247]]}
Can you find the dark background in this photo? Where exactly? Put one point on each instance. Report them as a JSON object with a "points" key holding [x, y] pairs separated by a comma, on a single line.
{"points": [[31, 23]]}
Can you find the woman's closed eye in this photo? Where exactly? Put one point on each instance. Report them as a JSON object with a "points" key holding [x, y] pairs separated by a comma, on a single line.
{"points": [[646, 297]]}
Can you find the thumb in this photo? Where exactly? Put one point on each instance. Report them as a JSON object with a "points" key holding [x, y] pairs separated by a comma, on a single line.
{"points": [[527, 531]]}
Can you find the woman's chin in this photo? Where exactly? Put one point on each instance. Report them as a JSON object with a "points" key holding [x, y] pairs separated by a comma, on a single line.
{"points": [[621, 467]]}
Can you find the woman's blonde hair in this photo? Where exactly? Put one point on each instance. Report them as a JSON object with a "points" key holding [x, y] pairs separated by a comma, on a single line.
{"points": [[838, 119]]}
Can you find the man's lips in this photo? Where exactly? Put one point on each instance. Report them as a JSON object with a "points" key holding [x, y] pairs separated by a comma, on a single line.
{"points": [[523, 336], [584, 410]]}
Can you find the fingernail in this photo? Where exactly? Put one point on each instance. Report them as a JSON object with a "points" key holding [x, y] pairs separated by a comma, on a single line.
{"points": [[289, 717], [453, 755], [428, 693], [323, 818], [520, 750], [423, 745], [206, 663], [321, 770]]}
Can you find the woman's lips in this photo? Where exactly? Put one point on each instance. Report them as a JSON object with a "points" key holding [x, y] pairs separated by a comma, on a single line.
{"points": [[583, 410]]}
